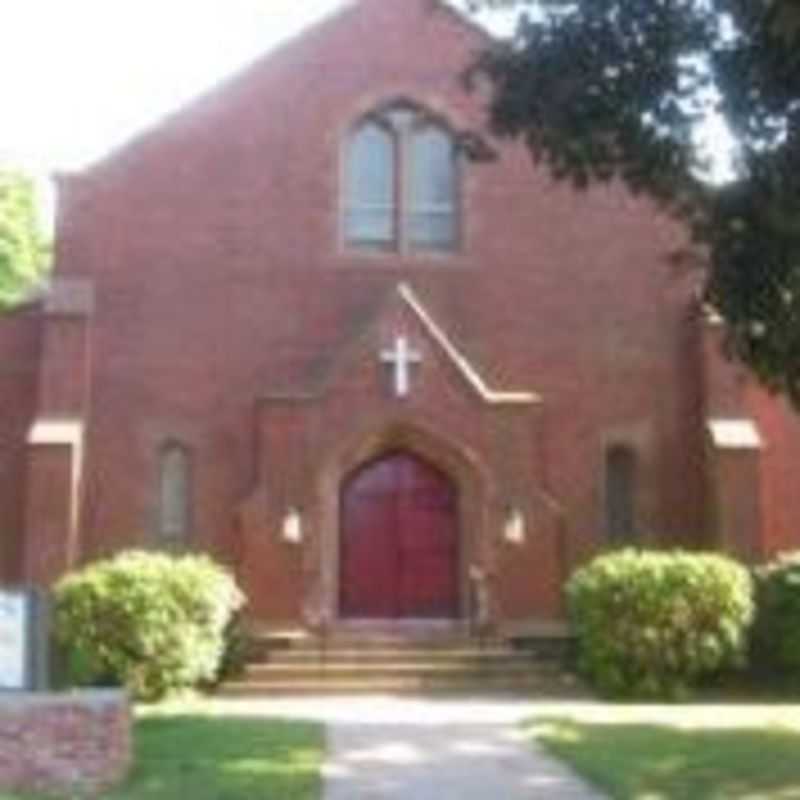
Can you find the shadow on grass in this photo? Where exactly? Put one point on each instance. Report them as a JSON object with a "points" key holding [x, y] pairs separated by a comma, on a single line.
{"points": [[763, 688], [653, 762], [196, 757]]}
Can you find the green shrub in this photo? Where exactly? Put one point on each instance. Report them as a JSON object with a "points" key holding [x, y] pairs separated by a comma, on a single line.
{"points": [[148, 621], [235, 652], [777, 637], [652, 624]]}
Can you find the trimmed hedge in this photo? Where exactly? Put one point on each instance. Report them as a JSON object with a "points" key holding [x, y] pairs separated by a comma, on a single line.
{"points": [[148, 621], [653, 624], [777, 637]]}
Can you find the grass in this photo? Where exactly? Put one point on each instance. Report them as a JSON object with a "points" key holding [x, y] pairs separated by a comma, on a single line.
{"points": [[197, 755], [668, 761]]}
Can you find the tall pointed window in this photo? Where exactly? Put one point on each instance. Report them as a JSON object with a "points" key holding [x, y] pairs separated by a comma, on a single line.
{"points": [[371, 187], [432, 202], [174, 512], [401, 183], [621, 494]]}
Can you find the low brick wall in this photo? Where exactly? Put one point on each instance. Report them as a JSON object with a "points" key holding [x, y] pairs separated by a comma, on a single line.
{"points": [[64, 744]]}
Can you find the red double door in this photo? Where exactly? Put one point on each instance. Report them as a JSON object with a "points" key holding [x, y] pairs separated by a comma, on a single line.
{"points": [[399, 546]]}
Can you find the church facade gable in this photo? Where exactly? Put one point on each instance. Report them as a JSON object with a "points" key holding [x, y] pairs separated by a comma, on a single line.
{"points": [[324, 301]]}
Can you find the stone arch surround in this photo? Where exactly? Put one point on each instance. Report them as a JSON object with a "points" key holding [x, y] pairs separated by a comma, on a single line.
{"points": [[459, 463]]}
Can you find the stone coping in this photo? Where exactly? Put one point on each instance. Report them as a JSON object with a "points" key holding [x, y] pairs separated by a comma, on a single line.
{"points": [[91, 698]]}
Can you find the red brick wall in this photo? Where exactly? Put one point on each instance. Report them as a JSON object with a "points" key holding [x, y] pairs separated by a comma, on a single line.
{"points": [[779, 425], [76, 744], [20, 340], [763, 479], [214, 246]]}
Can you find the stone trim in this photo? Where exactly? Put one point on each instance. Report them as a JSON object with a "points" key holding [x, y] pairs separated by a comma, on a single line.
{"points": [[63, 432], [735, 434], [96, 699], [460, 361], [55, 431]]}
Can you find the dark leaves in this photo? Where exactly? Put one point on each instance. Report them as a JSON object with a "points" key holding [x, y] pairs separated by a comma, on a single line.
{"points": [[614, 90]]}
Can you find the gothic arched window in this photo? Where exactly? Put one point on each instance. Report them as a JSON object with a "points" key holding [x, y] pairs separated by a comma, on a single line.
{"points": [[401, 182], [433, 190], [621, 469], [371, 188], [174, 509]]}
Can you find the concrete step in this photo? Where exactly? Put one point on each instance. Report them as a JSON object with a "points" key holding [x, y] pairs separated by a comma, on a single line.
{"points": [[357, 671], [407, 655], [383, 642], [399, 661], [504, 684]]}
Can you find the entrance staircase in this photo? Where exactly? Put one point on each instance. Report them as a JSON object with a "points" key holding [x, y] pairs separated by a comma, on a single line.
{"points": [[386, 663]]}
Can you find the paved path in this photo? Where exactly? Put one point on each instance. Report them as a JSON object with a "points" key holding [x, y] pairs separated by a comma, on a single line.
{"points": [[415, 749], [458, 762], [382, 748]]}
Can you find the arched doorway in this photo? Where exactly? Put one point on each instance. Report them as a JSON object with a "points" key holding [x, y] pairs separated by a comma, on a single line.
{"points": [[399, 554]]}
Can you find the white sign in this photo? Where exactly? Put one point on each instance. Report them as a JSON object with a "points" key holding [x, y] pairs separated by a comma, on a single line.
{"points": [[13, 640]]}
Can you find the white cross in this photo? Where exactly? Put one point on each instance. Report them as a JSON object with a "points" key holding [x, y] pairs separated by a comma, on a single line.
{"points": [[401, 357]]}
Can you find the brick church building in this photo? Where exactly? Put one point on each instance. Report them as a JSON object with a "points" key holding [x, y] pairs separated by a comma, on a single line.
{"points": [[323, 326]]}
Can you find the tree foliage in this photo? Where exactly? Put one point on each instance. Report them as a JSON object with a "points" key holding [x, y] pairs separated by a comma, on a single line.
{"points": [[605, 90], [23, 250]]}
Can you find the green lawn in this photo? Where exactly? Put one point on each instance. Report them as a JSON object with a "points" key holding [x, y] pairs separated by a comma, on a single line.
{"points": [[202, 756], [669, 761]]}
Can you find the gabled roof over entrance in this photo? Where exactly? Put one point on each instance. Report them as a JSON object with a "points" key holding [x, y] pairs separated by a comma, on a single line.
{"points": [[411, 304]]}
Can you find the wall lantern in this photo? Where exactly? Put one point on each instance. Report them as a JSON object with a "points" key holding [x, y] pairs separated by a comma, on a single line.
{"points": [[515, 529], [292, 531]]}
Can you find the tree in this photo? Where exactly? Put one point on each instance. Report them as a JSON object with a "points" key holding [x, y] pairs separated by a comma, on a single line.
{"points": [[604, 90], [23, 251]]}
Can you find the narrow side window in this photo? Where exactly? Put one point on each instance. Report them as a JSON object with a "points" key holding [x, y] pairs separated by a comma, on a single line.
{"points": [[620, 488], [174, 493]]}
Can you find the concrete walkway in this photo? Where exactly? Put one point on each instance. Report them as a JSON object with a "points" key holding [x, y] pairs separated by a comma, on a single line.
{"points": [[462, 762], [383, 748]]}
